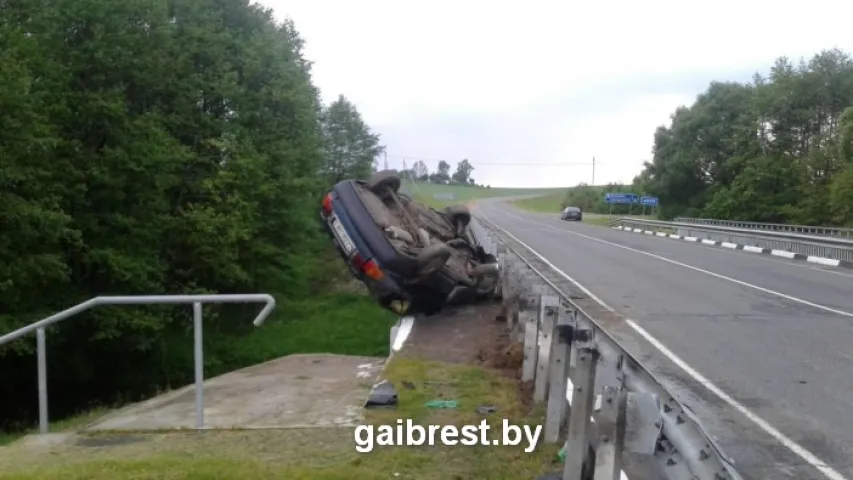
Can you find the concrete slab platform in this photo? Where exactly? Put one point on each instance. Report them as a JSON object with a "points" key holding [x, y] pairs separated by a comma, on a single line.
{"points": [[297, 391]]}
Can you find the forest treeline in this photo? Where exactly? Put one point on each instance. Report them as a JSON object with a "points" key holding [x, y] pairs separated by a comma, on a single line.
{"points": [[776, 149], [170, 147]]}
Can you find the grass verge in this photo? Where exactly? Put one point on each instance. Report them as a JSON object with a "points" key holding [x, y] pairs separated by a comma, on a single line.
{"points": [[315, 454], [439, 196], [66, 424], [552, 203]]}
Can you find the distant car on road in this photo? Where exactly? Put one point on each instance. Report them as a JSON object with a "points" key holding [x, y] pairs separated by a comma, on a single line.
{"points": [[413, 258], [572, 213]]}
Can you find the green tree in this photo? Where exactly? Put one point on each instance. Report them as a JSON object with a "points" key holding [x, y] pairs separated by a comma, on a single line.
{"points": [[768, 150], [463, 172], [350, 148], [442, 175], [154, 148]]}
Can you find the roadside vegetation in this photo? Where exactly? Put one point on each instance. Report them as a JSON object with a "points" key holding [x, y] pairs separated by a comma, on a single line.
{"points": [[166, 148], [171, 148], [438, 195], [776, 149]]}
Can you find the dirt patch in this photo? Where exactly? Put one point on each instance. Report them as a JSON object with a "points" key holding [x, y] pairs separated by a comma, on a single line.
{"points": [[471, 335]]}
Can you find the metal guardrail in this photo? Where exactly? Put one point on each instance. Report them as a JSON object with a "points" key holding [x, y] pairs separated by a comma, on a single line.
{"points": [[566, 354], [839, 248], [813, 230], [195, 300]]}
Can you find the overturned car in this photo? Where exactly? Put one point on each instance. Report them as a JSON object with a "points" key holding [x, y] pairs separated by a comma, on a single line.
{"points": [[413, 258]]}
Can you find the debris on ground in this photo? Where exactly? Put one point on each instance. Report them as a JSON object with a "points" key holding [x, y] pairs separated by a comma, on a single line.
{"points": [[382, 395], [408, 385], [486, 409]]}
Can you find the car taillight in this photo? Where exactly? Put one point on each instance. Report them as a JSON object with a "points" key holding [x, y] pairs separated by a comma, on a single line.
{"points": [[327, 205], [369, 267], [372, 270]]}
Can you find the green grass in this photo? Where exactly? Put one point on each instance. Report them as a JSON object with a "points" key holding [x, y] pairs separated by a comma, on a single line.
{"points": [[552, 203], [63, 425], [321, 454], [425, 192]]}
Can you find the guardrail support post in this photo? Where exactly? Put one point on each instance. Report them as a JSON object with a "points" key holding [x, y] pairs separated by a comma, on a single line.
{"points": [[528, 318], [611, 434], [558, 405], [549, 307], [199, 367], [41, 352], [577, 443]]}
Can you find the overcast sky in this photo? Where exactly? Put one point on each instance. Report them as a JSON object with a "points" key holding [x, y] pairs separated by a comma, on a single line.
{"points": [[538, 83]]}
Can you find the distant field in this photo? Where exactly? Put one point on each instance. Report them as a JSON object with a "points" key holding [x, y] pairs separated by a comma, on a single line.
{"points": [[426, 193], [550, 203]]}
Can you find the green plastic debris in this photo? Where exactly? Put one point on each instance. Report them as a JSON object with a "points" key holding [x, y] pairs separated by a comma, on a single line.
{"points": [[442, 404], [561, 455]]}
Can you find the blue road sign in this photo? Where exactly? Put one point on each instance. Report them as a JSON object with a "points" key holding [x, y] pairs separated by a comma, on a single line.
{"points": [[649, 201], [621, 197]]}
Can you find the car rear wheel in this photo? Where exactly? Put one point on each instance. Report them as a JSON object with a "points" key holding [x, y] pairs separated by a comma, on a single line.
{"points": [[458, 214], [380, 182], [432, 258], [487, 275]]}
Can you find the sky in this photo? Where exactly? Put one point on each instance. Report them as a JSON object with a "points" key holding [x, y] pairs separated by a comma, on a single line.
{"points": [[530, 92]]}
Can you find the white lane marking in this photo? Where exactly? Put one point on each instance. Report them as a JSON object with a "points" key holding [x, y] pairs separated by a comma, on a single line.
{"points": [[697, 269], [780, 437], [829, 262], [783, 253], [769, 429]]}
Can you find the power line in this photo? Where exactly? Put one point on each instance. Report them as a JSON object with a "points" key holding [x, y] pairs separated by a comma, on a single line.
{"points": [[509, 164]]}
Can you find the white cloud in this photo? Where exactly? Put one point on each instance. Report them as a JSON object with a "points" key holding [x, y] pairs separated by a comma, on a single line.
{"points": [[543, 81]]}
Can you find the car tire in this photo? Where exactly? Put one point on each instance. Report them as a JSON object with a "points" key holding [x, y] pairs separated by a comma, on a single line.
{"points": [[380, 182], [457, 214], [432, 258], [487, 276]]}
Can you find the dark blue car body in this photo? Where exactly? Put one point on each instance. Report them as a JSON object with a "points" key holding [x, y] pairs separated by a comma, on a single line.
{"points": [[373, 259]]}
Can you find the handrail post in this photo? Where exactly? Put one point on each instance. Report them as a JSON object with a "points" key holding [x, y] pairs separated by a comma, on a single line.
{"points": [[199, 366], [41, 353]]}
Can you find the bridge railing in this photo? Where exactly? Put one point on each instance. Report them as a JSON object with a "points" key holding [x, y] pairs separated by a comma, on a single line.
{"points": [[832, 247], [812, 230], [196, 300], [582, 375]]}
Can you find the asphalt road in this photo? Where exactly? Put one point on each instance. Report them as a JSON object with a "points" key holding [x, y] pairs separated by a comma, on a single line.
{"points": [[774, 335]]}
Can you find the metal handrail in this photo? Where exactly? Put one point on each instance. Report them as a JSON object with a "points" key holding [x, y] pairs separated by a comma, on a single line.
{"points": [[800, 238], [195, 300]]}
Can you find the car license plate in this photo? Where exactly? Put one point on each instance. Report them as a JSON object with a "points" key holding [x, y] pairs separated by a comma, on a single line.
{"points": [[343, 237]]}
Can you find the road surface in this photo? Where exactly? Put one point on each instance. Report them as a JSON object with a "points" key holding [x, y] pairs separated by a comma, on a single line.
{"points": [[774, 336]]}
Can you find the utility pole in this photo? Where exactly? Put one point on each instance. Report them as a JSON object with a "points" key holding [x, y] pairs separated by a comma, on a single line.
{"points": [[386, 159], [593, 171]]}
